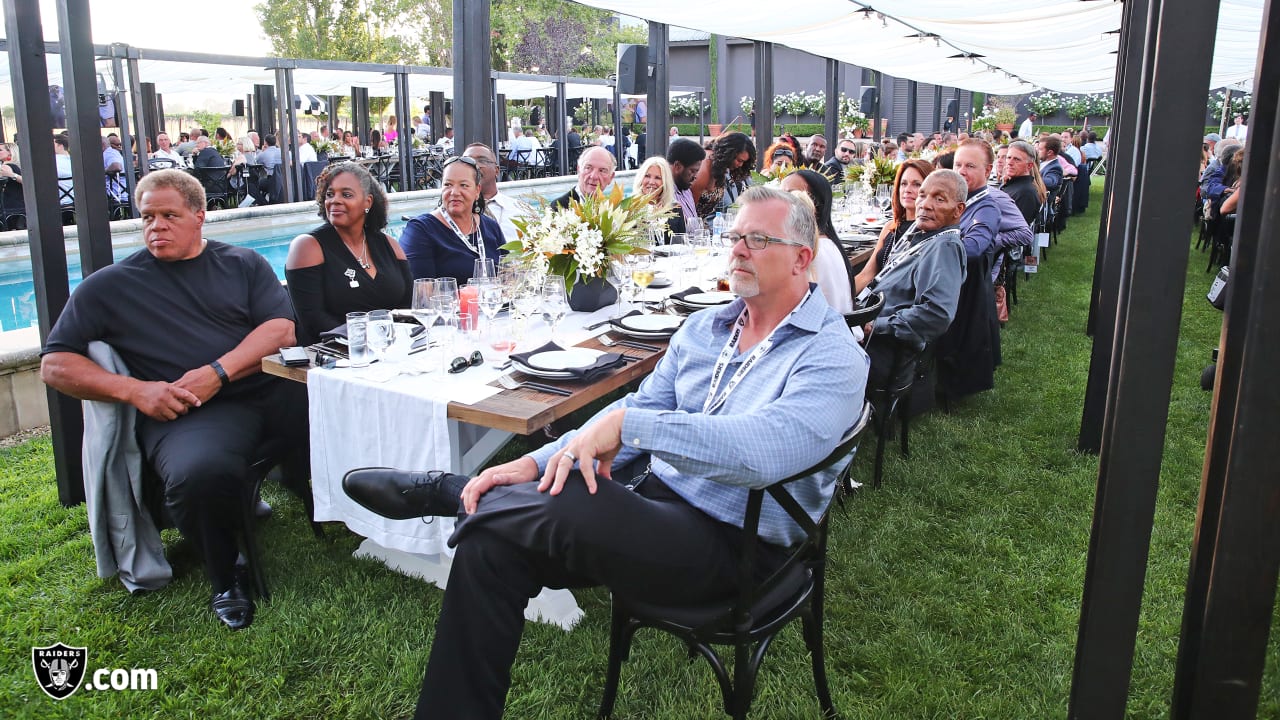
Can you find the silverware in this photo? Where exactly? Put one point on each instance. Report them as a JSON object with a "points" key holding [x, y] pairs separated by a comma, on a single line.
{"points": [[600, 324], [511, 383], [608, 341]]}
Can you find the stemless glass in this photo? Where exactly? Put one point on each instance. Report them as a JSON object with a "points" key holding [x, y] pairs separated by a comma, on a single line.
{"points": [[501, 340], [555, 304], [424, 310], [382, 332], [358, 339]]}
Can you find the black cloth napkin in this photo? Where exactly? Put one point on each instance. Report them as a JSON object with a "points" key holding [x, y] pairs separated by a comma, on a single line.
{"points": [[686, 293], [338, 332], [603, 365]]}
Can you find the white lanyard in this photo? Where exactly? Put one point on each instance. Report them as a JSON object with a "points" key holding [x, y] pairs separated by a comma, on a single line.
{"points": [[977, 196], [893, 262], [472, 244], [714, 401]]}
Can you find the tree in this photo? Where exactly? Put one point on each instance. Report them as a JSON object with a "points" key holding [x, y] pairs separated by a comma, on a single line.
{"points": [[553, 37], [389, 31]]}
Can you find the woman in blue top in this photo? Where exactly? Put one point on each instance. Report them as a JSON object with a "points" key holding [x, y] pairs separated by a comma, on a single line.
{"points": [[447, 241]]}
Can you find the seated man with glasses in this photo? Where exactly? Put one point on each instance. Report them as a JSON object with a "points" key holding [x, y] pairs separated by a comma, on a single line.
{"points": [[648, 497]]}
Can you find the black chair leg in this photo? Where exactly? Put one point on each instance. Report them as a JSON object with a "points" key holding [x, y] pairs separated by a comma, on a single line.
{"points": [[619, 645], [882, 430], [904, 419], [813, 637]]}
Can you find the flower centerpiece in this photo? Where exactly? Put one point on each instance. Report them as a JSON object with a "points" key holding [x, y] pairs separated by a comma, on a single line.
{"points": [[226, 148], [577, 242], [323, 147], [985, 121]]}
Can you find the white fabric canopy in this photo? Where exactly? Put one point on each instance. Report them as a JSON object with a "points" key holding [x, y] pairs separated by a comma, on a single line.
{"points": [[1063, 45]]}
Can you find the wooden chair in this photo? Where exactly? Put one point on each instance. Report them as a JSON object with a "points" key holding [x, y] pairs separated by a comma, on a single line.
{"points": [[750, 620]]}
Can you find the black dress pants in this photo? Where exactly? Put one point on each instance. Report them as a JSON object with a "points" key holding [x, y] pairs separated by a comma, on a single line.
{"points": [[203, 459], [647, 544]]}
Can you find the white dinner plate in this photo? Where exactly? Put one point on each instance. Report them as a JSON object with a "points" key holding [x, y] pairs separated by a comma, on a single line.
{"points": [[562, 360], [536, 372], [651, 323], [707, 299]]}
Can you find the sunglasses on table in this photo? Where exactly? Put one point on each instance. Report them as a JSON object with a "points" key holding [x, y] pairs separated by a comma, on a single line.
{"points": [[459, 364]]}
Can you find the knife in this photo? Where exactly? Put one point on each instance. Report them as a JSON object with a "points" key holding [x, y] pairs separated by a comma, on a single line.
{"points": [[551, 389], [638, 345]]}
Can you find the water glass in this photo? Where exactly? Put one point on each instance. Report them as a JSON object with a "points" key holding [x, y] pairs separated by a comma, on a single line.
{"points": [[447, 288], [358, 339], [501, 340], [680, 238], [382, 331]]}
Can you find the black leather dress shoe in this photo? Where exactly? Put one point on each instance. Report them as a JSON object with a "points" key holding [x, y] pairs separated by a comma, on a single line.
{"points": [[261, 509], [233, 606], [403, 495]]}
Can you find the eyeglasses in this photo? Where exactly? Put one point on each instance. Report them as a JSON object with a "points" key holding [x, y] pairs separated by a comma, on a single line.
{"points": [[844, 149], [759, 241], [460, 364]]}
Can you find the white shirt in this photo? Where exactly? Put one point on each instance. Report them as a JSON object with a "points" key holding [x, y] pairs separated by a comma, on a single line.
{"points": [[1238, 132], [170, 154], [831, 276], [1025, 129], [502, 207], [63, 164], [446, 143], [306, 153], [606, 140]]}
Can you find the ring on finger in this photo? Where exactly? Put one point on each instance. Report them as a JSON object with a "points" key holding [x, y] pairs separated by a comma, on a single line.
{"points": [[571, 456]]}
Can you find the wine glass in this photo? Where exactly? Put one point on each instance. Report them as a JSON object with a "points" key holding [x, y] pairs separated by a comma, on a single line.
{"points": [[447, 289], [554, 304], [492, 297], [424, 310], [642, 271], [528, 300], [620, 278], [483, 268]]}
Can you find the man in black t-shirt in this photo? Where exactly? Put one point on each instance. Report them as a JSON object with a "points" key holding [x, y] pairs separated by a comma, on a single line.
{"points": [[191, 319]]}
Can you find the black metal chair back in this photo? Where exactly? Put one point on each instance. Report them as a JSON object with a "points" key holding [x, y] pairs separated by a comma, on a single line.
{"points": [[750, 620], [217, 186]]}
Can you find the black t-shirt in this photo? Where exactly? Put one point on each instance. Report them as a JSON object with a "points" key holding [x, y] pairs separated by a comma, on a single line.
{"points": [[11, 194], [165, 318], [1023, 191]]}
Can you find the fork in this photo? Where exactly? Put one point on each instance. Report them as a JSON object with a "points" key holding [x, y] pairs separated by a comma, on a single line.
{"points": [[608, 341], [511, 383]]}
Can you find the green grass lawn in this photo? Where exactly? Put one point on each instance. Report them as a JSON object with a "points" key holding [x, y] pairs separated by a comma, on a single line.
{"points": [[954, 590]]}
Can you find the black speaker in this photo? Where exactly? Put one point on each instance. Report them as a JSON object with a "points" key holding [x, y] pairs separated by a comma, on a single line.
{"points": [[867, 99], [951, 110], [237, 108], [633, 69]]}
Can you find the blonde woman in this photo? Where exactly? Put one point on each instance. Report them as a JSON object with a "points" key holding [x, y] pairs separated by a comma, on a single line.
{"points": [[655, 180]]}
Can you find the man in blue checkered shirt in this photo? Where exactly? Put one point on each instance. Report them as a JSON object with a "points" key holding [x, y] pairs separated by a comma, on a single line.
{"points": [[648, 497]]}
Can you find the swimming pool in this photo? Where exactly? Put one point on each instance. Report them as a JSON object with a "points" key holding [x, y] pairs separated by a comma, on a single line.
{"points": [[17, 289]]}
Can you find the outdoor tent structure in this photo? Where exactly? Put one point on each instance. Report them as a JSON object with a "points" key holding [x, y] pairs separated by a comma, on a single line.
{"points": [[1160, 78]]}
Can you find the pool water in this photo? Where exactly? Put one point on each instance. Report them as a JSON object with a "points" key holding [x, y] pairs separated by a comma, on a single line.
{"points": [[17, 289]]}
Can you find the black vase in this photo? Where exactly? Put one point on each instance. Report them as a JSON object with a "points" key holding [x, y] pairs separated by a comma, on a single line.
{"points": [[592, 295]]}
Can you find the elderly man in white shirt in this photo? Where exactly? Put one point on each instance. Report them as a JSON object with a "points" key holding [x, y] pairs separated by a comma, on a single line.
{"points": [[165, 150], [1239, 130], [306, 153], [497, 205]]}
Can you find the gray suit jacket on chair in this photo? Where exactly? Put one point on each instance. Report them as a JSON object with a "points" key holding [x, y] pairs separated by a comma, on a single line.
{"points": [[125, 540]]}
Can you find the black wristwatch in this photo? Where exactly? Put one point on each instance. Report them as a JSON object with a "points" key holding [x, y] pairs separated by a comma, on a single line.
{"points": [[222, 374]]}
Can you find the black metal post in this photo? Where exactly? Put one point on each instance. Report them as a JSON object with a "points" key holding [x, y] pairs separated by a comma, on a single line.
{"points": [[122, 124], [658, 101], [264, 113], [1231, 586], [287, 134], [562, 138], [939, 110], [144, 129], [438, 124], [360, 114], [404, 138], [875, 118], [619, 153], [472, 88], [764, 94], [1179, 35], [501, 123], [832, 120], [913, 105], [30, 78], [80, 84], [1123, 168]]}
